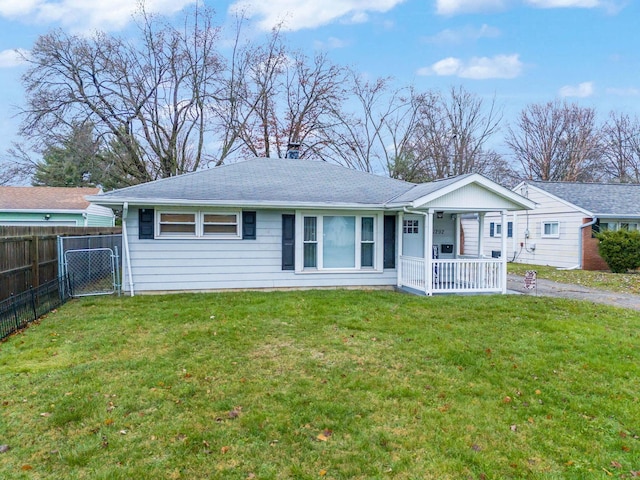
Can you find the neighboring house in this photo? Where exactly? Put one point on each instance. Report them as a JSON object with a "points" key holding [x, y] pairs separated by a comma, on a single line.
{"points": [[52, 206], [288, 223], [560, 231]]}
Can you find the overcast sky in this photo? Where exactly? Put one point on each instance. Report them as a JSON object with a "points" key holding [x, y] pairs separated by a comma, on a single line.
{"points": [[521, 51]]}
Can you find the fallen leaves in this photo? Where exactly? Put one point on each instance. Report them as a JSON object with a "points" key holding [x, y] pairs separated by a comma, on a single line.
{"points": [[4, 448], [324, 436]]}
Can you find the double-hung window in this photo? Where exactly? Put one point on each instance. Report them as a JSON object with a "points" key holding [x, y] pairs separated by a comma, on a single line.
{"points": [[200, 224], [332, 242], [628, 226], [367, 242], [220, 224], [310, 242], [175, 224], [551, 229], [495, 229]]}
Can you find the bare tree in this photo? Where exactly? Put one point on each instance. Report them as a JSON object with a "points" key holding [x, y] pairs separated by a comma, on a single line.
{"points": [[621, 148], [288, 98], [150, 96], [380, 129], [19, 166], [451, 135], [557, 141]]}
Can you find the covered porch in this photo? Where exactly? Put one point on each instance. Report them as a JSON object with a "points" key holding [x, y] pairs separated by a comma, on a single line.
{"points": [[447, 269], [430, 256]]}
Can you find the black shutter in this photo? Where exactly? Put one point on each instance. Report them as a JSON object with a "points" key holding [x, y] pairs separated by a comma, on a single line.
{"points": [[288, 242], [389, 242], [248, 225], [509, 229], [492, 229], [146, 221]]}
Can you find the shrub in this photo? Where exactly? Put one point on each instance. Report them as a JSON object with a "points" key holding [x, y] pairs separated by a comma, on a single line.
{"points": [[620, 249]]}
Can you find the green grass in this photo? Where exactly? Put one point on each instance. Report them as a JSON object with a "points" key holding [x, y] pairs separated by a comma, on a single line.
{"points": [[615, 282], [323, 384]]}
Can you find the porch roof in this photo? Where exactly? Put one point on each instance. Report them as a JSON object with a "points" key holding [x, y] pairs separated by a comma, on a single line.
{"points": [[470, 192]]}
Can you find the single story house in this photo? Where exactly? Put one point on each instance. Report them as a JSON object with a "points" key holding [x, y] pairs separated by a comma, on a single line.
{"points": [[52, 206], [289, 223], [560, 231]]}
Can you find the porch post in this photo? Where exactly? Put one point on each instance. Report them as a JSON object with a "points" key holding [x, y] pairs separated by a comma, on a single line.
{"points": [[457, 237], [481, 235], [399, 235], [514, 232], [428, 250], [503, 255]]}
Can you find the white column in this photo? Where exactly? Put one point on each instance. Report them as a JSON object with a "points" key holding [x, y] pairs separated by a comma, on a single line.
{"points": [[428, 250], [481, 235], [514, 239], [457, 237], [503, 254]]}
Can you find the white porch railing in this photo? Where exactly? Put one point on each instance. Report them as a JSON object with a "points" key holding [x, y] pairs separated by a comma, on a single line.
{"points": [[461, 275]]}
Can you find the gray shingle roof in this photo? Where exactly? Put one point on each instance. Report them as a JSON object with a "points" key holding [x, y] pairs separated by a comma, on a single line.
{"points": [[265, 180], [600, 199], [424, 189]]}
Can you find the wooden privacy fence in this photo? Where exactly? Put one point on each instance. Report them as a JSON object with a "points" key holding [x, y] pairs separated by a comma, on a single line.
{"points": [[29, 255]]}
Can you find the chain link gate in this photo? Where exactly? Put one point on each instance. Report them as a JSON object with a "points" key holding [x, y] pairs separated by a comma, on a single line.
{"points": [[91, 271], [94, 270]]}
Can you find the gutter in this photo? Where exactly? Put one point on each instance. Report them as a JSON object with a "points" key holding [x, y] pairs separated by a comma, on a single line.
{"points": [[125, 242], [582, 227]]}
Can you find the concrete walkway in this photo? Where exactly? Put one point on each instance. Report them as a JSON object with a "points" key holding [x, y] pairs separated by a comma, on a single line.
{"points": [[550, 288]]}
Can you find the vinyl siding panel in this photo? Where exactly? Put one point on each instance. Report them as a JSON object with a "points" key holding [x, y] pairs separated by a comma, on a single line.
{"points": [[208, 264], [470, 196], [37, 218], [558, 252]]}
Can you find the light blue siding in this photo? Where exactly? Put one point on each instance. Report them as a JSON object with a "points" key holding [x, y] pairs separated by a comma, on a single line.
{"points": [[210, 264]]}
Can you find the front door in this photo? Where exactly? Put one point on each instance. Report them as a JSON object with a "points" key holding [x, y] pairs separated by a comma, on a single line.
{"points": [[413, 236]]}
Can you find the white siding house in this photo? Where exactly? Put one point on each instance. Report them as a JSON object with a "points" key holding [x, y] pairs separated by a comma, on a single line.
{"points": [[559, 231], [289, 223]]}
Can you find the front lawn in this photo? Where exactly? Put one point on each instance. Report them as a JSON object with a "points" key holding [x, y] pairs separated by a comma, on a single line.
{"points": [[322, 385]]}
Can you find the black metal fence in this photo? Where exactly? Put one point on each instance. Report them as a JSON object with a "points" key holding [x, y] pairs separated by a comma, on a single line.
{"points": [[18, 311]]}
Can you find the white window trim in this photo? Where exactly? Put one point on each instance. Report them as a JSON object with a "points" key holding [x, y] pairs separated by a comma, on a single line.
{"points": [[496, 226], [378, 235], [238, 224], [546, 222], [199, 225], [158, 230]]}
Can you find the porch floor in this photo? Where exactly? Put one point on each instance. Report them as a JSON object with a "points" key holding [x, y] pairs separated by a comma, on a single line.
{"points": [[420, 293]]}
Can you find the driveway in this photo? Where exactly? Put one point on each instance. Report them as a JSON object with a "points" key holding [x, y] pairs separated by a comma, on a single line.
{"points": [[549, 288]]}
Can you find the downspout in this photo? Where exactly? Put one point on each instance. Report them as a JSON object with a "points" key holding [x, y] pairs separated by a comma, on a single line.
{"points": [[582, 227], [399, 232], [503, 256], [125, 242]]}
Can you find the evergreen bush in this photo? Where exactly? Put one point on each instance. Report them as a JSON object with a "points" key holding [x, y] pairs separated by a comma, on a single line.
{"points": [[620, 249]]}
